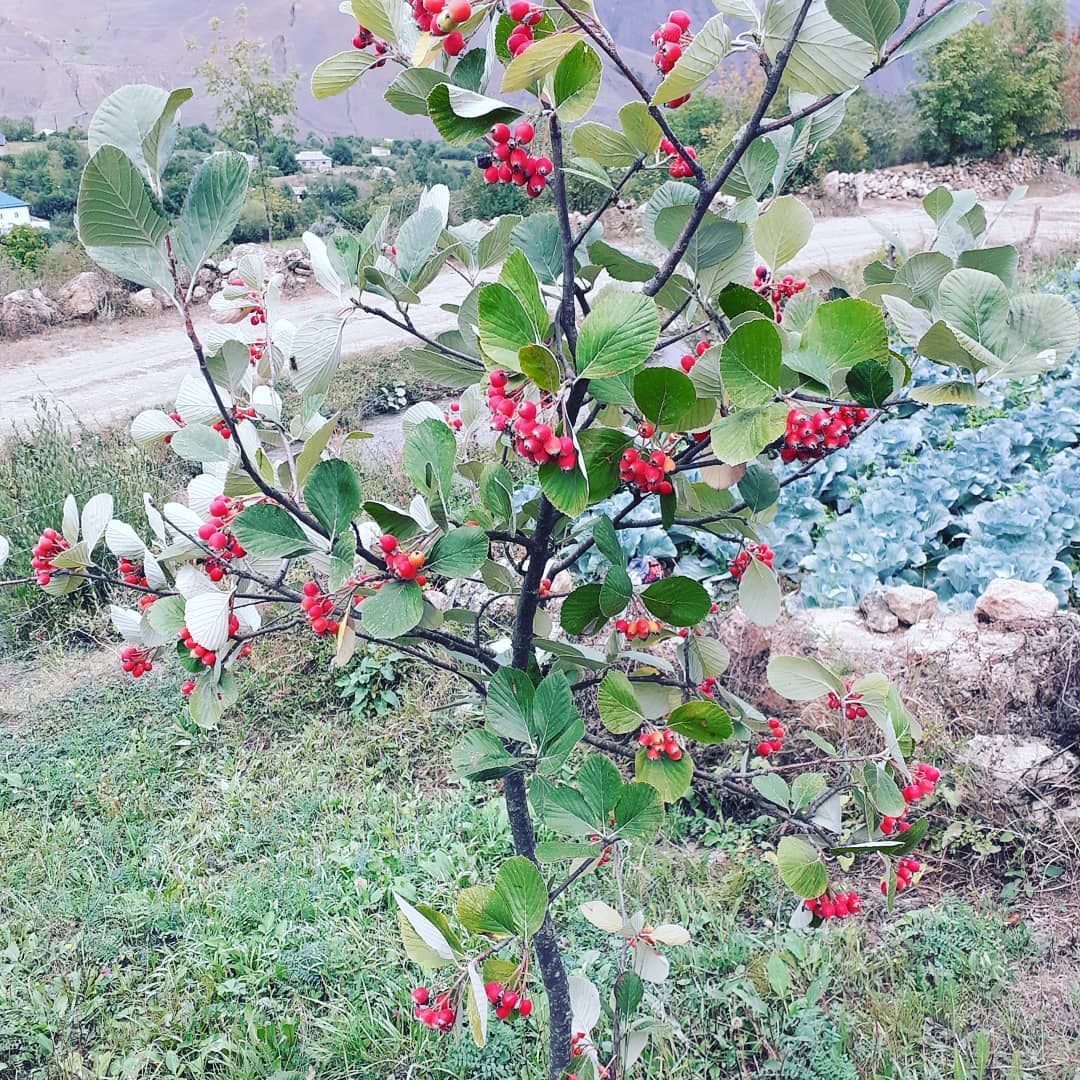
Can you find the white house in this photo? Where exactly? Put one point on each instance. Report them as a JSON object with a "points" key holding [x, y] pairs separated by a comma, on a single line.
{"points": [[380, 151], [314, 161], [15, 212]]}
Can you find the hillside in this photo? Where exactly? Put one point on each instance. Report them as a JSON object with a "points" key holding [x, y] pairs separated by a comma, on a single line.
{"points": [[60, 60]]}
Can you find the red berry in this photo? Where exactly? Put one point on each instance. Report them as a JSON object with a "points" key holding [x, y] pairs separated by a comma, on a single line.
{"points": [[524, 132]]}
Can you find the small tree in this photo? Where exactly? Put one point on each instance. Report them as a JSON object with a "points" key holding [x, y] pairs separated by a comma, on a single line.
{"points": [[685, 395], [24, 246], [253, 103]]}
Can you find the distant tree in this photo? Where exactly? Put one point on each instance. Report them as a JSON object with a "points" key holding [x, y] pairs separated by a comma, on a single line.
{"points": [[24, 246], [253, 104], [1070, 91], [995, 86], [282, 156], [340, 152], [17, 129], [198, 137]]}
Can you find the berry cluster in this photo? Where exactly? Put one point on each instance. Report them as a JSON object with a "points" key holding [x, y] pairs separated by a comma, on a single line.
{"points": [[526, 15], [708, 687], [453, 417], [642, 629], [905, 870], [133, 574], [255, 312], [214, 532], [808, 438], [511, 163], [670, 38], [136, 661], [364, 39], [177, 419], [255, 352], [404, 565], [661, 743], [318, 609], [508, 1004], [775, 742], [836, 906], [762, 552], [679, 166], [579, 1042], [50, 544], [776, 292], [437, 1014], [207, 656], [441, 19], [534, 440], [187, 686], [688, 361], [647, 474], [849, 703]]}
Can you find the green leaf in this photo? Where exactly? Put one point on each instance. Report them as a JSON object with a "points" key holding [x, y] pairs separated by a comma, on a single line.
{"points": [[140, 121], [871, 20], [212, 208], [805, 787], [472, 907], [567, 490], [505, 326], [337, 73], [670, 778], [882, 789], [801, 679], [618, 335], [773, 787], [392, 519], [428, 458], [409, 91], [459, 553], [753, 173], [640, 127], [581, 610], [148, 267], [734, 300], [538, 363], [782, 231], [704, 721], [750, 362], [759, 594], [552, 851], [663, 395], [542, 56], [1000, 261], [566, 811], [870, 384], [393, 611], [699, 60], [497, 492], [801, 868], [264, 529], [460, 115], [607, 147], [759, 488], [316, 354], [618, 705], [426, 931], [947, 22], [115, 207], [415, 243], [509, 707], [378, 17], [639, 813], [618, 264], [615, 592], [977, 304], [839, 335], [713, 241], [742, 435], [600, 785], [519, 277], [678, 601], [607, 542], [521, 888], [826, 58], [537, 237], [200, 443], [332, 494], [557, 723], [480, 756]]}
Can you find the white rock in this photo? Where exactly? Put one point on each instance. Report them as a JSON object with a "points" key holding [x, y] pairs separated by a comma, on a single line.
{"points": [[83, 295], [143, 300], [910, 604], [879, 617], [1011, 602]]}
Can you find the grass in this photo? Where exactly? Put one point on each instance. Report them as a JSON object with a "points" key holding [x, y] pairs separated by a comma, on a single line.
{"points": [[185, 903]]}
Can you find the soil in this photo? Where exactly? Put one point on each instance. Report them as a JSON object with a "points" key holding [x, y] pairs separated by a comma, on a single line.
{"points": [[109, 370]]}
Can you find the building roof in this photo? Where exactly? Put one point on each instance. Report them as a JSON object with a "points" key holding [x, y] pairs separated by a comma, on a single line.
{"points": [[9, 202], [311, 155]]}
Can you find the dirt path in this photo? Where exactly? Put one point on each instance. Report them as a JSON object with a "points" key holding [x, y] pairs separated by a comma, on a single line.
{"points": [[108, 371]]}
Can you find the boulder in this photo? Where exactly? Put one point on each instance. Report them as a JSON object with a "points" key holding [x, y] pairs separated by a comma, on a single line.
{"points": [[910, 604], [26, 311], [879, 617], [1013, 762], [1015, 603], [144, 300], [83, 295]]}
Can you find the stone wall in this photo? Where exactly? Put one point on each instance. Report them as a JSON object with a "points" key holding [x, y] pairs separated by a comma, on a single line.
{"points": [[989, 179]]}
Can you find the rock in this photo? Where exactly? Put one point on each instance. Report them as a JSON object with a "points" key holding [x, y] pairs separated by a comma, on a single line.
{"points": [[438, 600], [1012, 603], [910, 604], [144, 300], [198, 293], [1014, 762], [877, 613], [83, 295], [26, 311]]}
